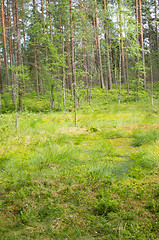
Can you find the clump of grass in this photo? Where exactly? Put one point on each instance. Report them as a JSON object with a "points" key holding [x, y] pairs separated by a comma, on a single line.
{"points": [[144, 138], [105, 206], [144, 159], [100, 170], [153, 206]]}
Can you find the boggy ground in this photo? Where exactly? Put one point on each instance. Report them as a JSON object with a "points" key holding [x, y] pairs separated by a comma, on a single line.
{"points": [[96, 181]]}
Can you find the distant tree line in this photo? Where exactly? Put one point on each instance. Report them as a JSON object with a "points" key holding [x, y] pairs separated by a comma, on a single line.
{"points": [[62, 46]]}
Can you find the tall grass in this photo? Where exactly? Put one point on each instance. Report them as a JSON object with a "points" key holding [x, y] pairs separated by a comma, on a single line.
{"points": [[96, 181]]}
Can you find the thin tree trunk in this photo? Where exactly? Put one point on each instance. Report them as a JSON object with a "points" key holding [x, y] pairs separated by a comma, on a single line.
{"points": [[44, 30], [10, 51], [99, 50], [52, 97], [140, 33], [20, 93], [68, 61], [127, 72], [85, 66], [121, 42], [35, 55], [84, 51], [73, 64], [24, 39], [36, 69], [91, 75], [97, 53], [151, 65], [39, 69], [1, 87], [156, 30], [15, 61], [1, 84], [42, 10], [4, 42], [50, 20], [137, 59], [64, 75], [105, 6], [15, 35], [119, 89]]}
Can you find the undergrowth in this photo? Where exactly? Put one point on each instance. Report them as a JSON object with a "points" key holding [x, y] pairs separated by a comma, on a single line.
{"points": [[96, 181]]}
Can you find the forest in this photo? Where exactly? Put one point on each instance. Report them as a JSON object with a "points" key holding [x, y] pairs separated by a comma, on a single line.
{"points": [[79, 119]]}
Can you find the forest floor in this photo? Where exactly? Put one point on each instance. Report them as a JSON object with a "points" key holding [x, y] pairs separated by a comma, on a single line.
{"points": [[98, 180]]}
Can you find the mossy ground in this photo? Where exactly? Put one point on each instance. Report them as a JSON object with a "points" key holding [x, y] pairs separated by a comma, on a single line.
{"points": [[96, 181]]}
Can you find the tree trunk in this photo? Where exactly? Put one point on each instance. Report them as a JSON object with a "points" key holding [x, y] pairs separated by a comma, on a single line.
{"points": [[107, 45], [35, 54], [10, 51], [15, 35], [119, 88], [50, 20], [121, 42], [96, 45], [1, 85], [156, 30], [24, 54], [140, 36], [127, 72], [99, 50], [44, 31], [73, 64], [84, 50], [151, 65], [64, 75], [42, 10], [68, 61], [4, 42], [19, 57]]}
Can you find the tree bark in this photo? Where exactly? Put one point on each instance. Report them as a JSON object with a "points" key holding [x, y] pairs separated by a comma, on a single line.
{"points": [[42, 10], [151, 65], [15, 35], [4, 42], [10, 50], [127, 72], [35, 53], [156, 30], [84, 50], [19, 57], [73, 64], [64, 75], [97, 53], [105, 6], [50, 20], [68, 61], [99, 50], [1, 85], [140, 37], [121, 42]]}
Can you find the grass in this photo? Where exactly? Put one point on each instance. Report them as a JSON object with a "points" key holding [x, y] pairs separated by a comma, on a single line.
{"points": [[96, 181]]}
